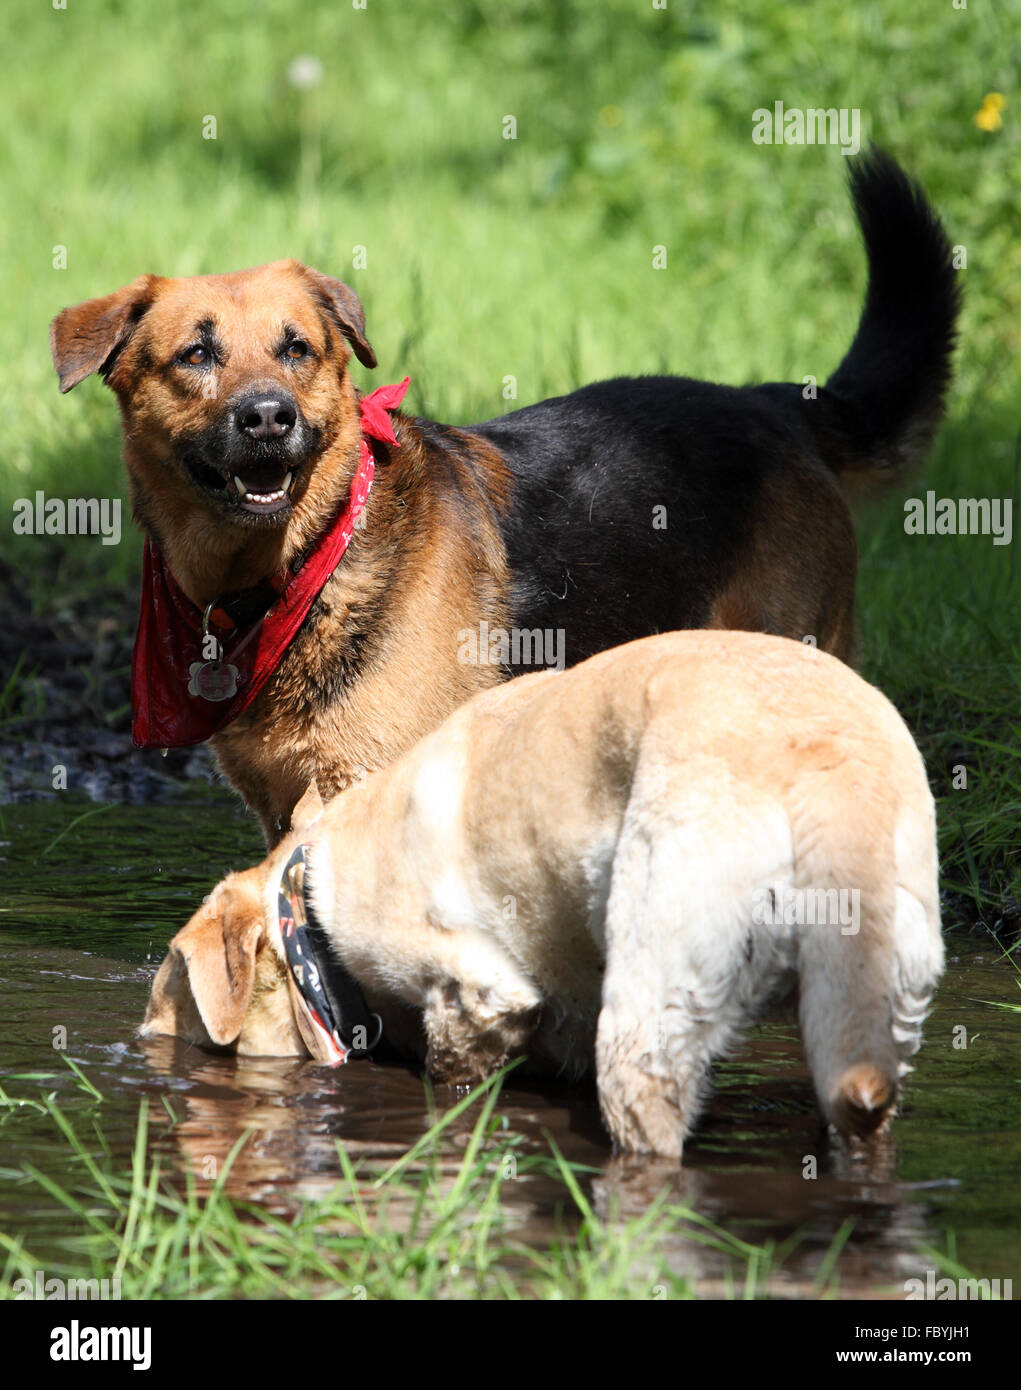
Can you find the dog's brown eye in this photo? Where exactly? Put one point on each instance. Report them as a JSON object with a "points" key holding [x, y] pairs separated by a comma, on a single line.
{"points": [[195, 356], [297, 350]]}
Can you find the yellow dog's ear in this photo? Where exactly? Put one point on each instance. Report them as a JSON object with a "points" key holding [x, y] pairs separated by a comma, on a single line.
{"points": [[210, 967], [309, 806]]}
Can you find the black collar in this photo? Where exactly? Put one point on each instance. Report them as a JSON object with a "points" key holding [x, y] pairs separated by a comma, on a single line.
{"points": [[334, 1003]]}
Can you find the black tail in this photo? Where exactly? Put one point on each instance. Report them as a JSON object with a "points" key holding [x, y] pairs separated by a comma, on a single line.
{"points": [[886, 399]]}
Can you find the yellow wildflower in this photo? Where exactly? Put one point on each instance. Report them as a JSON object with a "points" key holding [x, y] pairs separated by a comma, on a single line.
{"points": [[988, 117]]}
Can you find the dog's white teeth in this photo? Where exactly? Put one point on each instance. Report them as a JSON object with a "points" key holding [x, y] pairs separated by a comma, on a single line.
{"points": [[247, 496]]}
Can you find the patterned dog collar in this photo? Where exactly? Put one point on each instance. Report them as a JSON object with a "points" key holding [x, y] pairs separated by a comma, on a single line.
{"points": [[332, 1000]]}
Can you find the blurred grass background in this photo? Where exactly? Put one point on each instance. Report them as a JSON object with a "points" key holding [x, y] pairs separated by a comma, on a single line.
{"points": [[487, 257]]}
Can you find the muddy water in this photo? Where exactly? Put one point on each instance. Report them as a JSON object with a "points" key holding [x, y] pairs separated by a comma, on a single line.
{"points": [[84, 921]]}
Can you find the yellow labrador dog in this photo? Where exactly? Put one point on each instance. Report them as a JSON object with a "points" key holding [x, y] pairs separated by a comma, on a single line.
{"points": [[617, 864]]}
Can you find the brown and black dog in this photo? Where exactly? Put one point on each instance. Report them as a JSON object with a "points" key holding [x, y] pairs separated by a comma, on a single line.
{"points": [[627, 508]]}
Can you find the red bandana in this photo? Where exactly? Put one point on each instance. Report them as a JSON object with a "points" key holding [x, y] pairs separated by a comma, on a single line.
{"points": [[182, 692]]}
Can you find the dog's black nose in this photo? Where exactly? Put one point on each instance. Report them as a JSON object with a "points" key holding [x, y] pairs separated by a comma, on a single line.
{"points": [[266, 417]]}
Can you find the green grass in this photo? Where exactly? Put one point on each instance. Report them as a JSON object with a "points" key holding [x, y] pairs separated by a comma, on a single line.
{"points": [[414, 1230], [421, 1228], [418, 1229], [486, 256]]}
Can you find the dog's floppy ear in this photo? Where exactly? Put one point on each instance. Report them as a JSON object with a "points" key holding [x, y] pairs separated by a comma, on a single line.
{"points": [[309, 805], [345, 308], [84, 337], [210, 966]]}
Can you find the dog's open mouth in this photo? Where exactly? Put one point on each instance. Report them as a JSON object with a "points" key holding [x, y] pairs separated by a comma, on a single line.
{"points": [[259, 491], [262, 495]]}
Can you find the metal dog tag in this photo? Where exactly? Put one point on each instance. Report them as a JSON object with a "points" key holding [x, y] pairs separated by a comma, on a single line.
{"points": [[213, 680]]}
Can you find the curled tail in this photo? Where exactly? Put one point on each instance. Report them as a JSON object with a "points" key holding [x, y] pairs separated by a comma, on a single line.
{"points": [[878, 413], [892, 383]]}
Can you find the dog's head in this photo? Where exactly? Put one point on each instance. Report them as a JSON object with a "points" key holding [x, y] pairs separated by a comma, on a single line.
{"points": [[225, 981], [231, 387]]}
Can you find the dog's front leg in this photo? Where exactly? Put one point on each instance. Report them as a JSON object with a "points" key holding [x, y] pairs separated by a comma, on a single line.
{"points": [[478, 1015]]}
